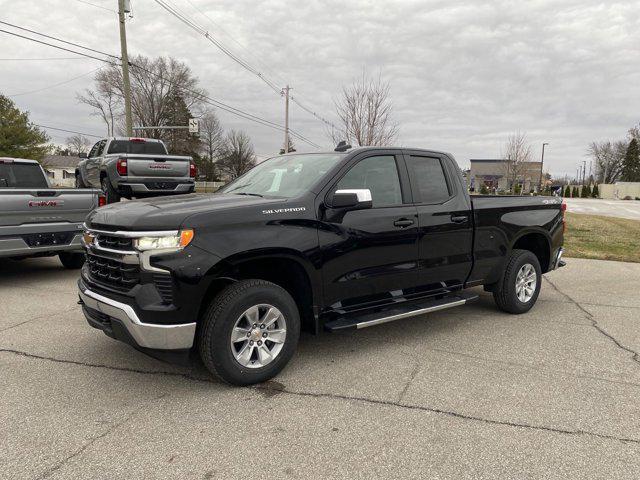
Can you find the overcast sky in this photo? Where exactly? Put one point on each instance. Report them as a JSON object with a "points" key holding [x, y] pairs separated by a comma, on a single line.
{"points": [[463, 74]]}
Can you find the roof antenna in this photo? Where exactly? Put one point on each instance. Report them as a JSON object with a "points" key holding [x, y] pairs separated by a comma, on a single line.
{"points": [[342, 146]]}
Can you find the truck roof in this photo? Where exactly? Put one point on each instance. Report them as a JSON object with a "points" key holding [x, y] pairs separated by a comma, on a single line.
{"points": [[154, 140], [16, 160], [364, 149]]}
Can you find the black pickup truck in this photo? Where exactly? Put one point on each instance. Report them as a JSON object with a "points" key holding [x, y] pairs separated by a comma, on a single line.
{"points": [[345, 239]]}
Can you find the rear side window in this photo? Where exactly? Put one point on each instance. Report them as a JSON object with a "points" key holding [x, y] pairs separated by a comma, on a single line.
{"points": [[380, 176], [139, 147], [16, 175], [428, 176]]}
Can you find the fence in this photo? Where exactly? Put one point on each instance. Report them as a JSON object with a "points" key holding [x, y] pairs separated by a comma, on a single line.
{"points": [[620, 190], [208, 186]]}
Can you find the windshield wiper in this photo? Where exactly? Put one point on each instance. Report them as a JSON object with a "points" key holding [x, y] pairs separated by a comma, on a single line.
{"points": [[239, 187], [252, 194]]}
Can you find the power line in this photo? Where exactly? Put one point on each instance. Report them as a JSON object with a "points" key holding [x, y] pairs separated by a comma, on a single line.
{"points": [[97, 6], [55, 46], [58, 39], [38, 59], [201, 30], [55, 84], [209, 100], [198, 28], [68, 131]]}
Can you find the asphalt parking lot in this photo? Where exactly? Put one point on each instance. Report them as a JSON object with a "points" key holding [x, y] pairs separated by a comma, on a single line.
{"points": [[465, 393]]}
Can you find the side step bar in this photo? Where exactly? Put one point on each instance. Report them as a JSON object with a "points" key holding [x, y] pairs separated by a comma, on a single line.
{"points": [[398, 312]]}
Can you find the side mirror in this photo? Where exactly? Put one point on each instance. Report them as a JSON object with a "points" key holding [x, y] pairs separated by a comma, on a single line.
{"points": [[82, 155], [352, 199]]}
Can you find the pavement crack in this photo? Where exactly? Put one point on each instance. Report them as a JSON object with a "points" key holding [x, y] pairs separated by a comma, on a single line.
{"points": [[79, 451], [451, 413], [594, 323], [283, 390], [187, 376], [36, 318], [412, 376]]}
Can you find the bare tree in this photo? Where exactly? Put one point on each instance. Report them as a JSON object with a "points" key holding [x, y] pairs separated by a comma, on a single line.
{"points": [[238, 155], [608, 158], [106, 102], [77, 144], [365, 114], [517, 153], [155, 83], [212, 142]]}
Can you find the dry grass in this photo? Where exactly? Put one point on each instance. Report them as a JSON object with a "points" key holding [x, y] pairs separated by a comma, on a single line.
{"points": [[602, 238]]}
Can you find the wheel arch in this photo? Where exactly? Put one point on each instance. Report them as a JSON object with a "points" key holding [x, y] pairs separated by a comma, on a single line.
{"points": [[537, 242], [286, 268]]}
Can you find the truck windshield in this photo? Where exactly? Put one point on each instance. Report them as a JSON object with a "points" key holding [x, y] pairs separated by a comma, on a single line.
{"points": [[139, 147], [22, 175], [286, 176]]}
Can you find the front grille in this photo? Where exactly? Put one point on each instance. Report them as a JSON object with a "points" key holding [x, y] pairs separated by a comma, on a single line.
{"points": [[112, 273], [48, 239], [115, 243], [164, 285]]}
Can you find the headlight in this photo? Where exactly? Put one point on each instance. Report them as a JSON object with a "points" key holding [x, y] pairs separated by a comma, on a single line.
{"points": [[165, 242]]}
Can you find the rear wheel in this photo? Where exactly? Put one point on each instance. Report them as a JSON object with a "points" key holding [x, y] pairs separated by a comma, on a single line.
{"points": [[249, 332], [109, 192], [521, 283], [70, 260]]}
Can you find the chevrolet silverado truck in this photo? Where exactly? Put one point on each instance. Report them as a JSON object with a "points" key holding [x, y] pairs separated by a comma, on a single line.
{"points": [[340, 240], [37, 220], [135, 167]]}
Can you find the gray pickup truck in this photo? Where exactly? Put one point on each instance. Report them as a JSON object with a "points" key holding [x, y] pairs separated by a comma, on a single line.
{"points": [[37, 220], [135, 167]]}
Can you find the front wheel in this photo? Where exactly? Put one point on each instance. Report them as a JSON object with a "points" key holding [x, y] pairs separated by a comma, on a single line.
{"points": [[520, 284], [72, 261], [109, 192], [249, 332]]}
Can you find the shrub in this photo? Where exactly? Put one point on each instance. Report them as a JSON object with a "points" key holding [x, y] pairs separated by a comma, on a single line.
{"points": [[484, 190], [567, 191], [585, 192], [575, 193], [595, 193]]}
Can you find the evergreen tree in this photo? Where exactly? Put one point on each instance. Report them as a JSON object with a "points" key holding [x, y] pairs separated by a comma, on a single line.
{"points": [[595, 193], [631, 163], [180, 141], [575, 193], [585, 193], [18, 137], [567, 191]]}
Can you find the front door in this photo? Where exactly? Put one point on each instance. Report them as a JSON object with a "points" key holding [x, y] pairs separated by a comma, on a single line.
{"points": [[371, 254], [445, 223]]}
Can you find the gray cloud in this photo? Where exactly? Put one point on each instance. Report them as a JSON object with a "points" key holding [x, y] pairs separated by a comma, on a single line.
{"points": [[464, 74]]}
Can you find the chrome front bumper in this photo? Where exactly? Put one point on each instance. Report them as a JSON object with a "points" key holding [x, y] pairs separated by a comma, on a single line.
{"points": [[146, 335]]}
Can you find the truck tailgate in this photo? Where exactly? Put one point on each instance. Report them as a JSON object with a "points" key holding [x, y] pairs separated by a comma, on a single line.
{"points": [[157, 166], [24, 206]]}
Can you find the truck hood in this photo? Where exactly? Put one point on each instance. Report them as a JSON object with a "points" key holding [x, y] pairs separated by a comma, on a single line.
{"points": [[167, 213]]}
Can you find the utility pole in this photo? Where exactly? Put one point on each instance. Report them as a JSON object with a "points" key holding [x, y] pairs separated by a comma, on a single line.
{"points": [[541, 166], [125, 66], [285, 92]]}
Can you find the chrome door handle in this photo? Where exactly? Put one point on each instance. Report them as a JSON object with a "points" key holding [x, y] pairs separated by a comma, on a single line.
{"points": [[459, 219]]}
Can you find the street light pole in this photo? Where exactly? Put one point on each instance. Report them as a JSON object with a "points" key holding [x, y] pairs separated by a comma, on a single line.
{"points": [[541, 167], [125, 68]]}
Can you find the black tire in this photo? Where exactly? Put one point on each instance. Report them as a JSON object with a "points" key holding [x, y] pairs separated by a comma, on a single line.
{"points": [[79, 182], [70, 260], [218, 321], [505, 294], [109, 192]]}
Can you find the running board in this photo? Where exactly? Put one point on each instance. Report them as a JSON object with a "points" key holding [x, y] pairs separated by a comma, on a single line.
{"points": [[398, 312]]}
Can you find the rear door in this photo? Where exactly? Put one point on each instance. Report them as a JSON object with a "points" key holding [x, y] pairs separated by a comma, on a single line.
{"points": [[445, 235], [371, 254]]}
